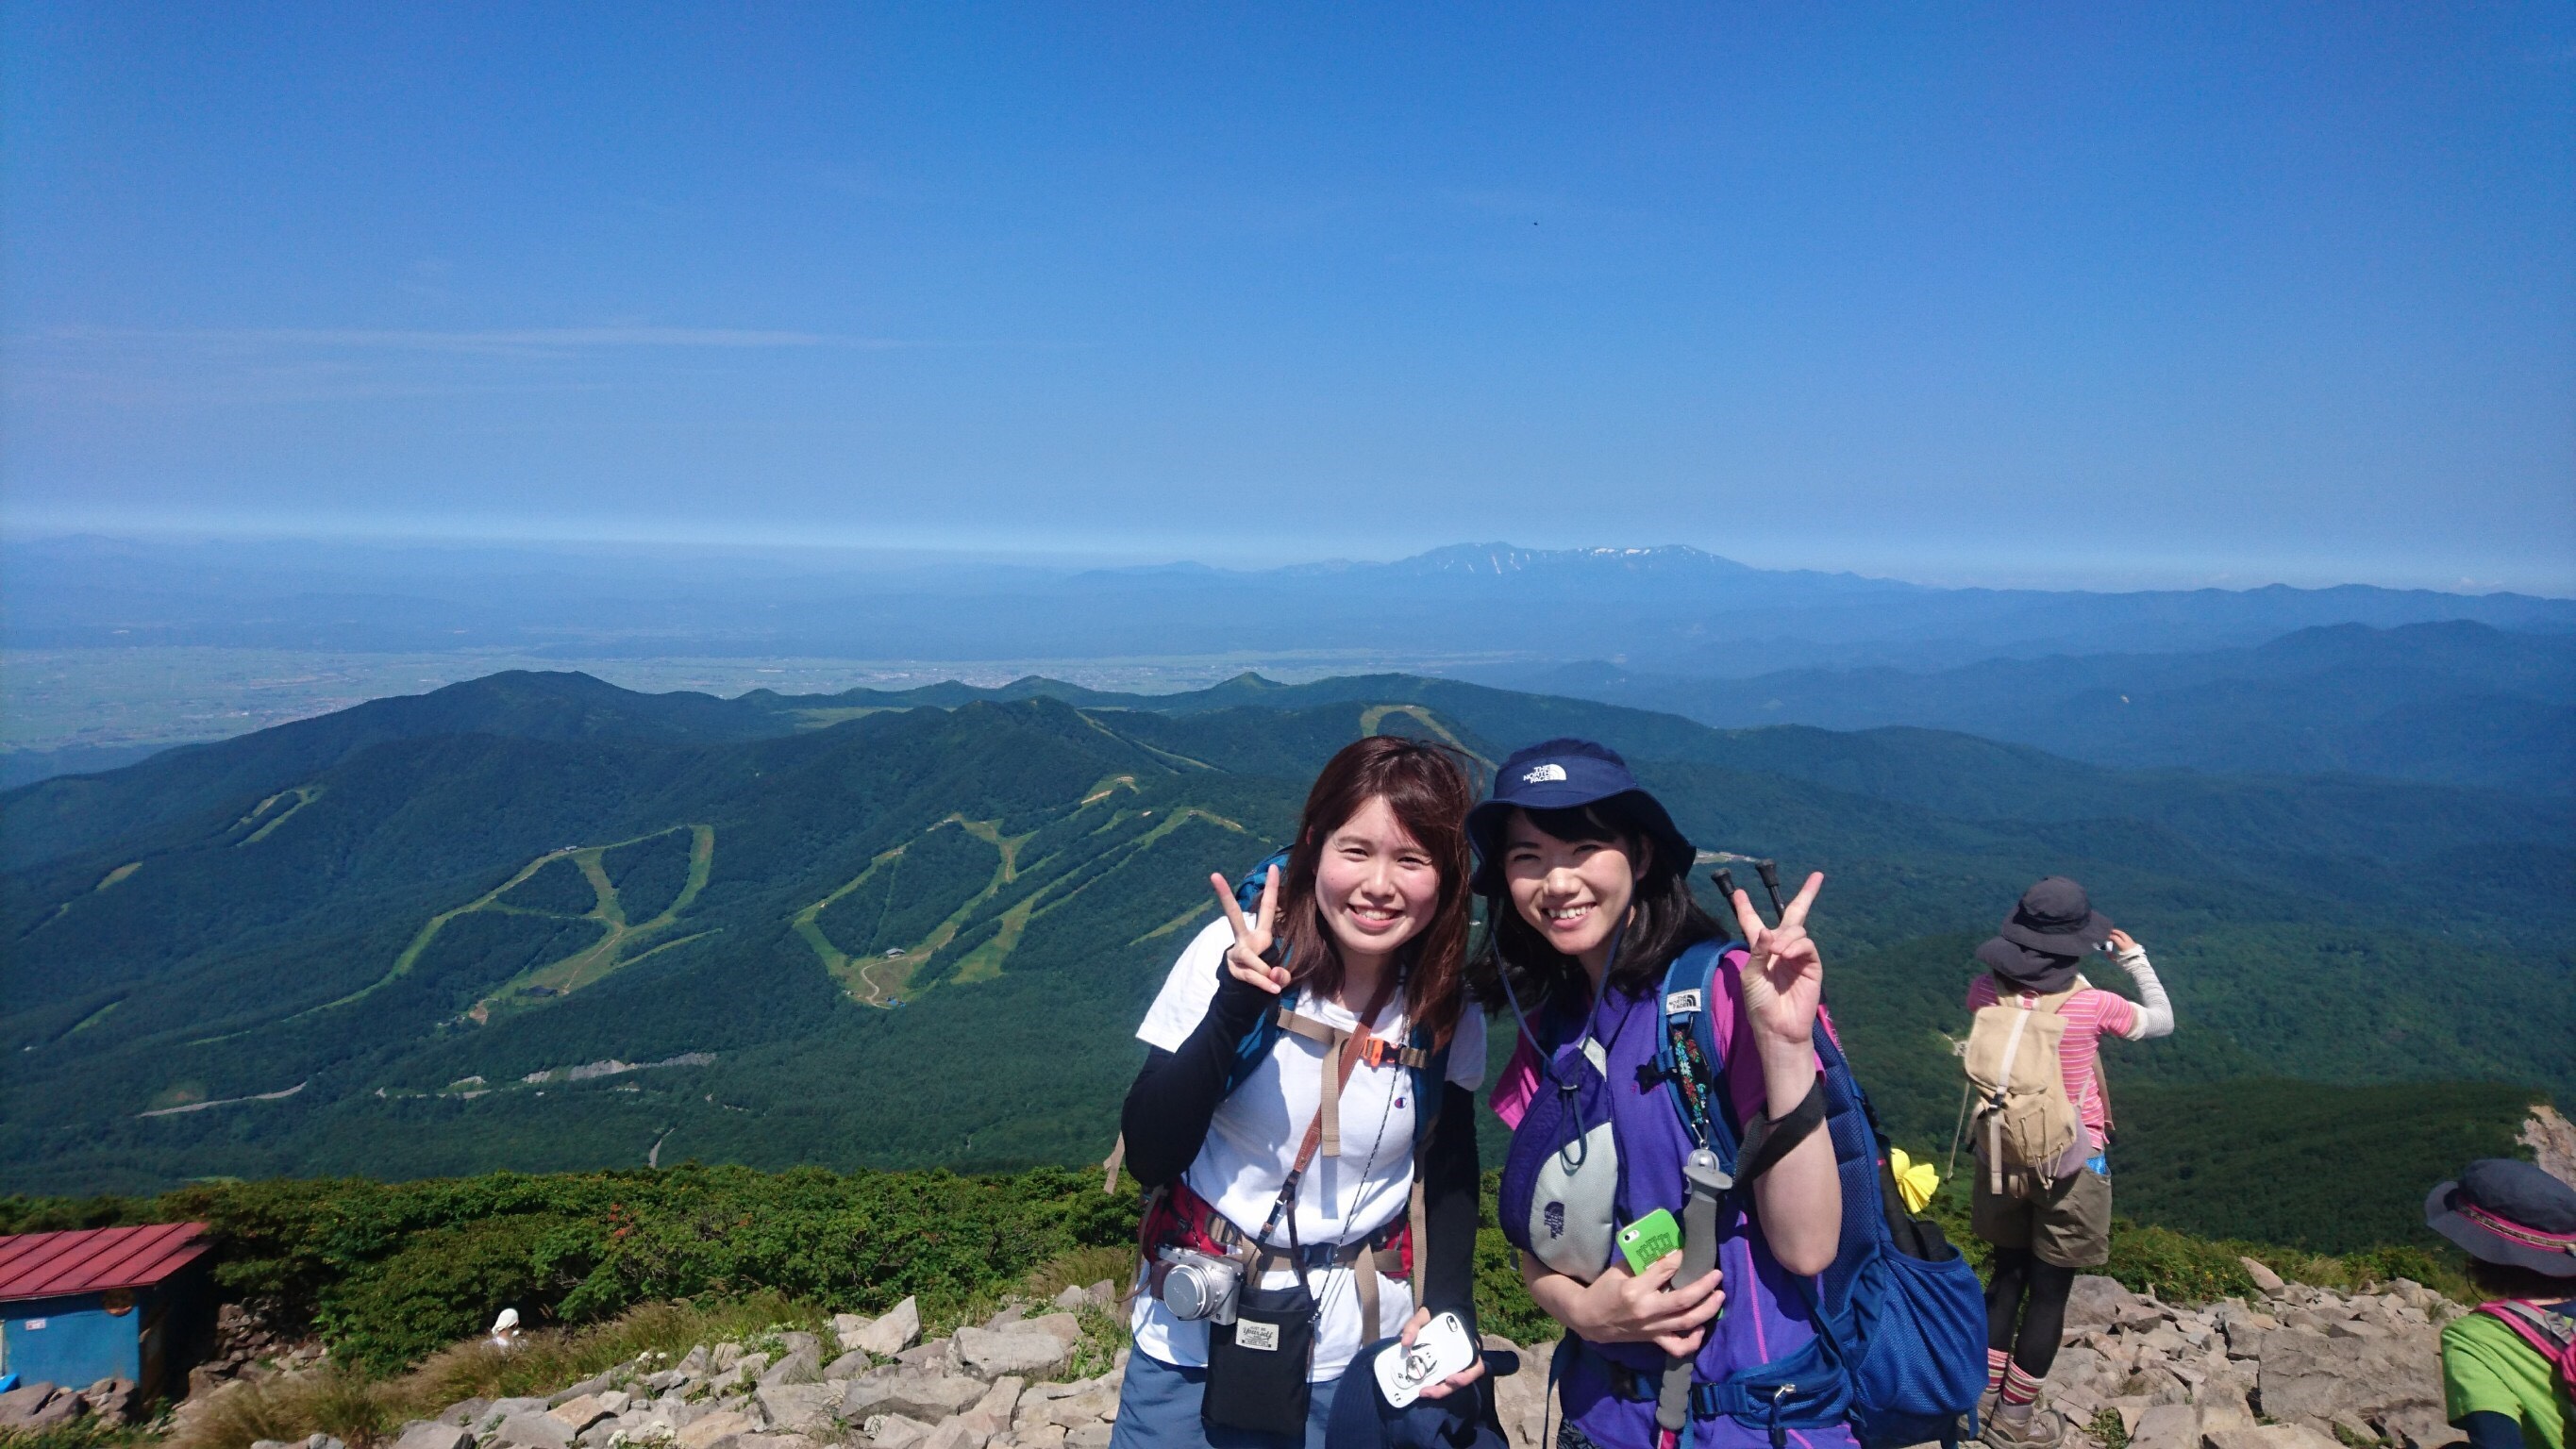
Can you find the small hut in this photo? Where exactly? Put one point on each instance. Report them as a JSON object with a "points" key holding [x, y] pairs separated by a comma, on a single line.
{"points": [[105, 1303]]}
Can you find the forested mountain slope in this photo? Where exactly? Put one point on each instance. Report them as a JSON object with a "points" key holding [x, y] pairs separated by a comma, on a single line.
{"points": [[535, 921], [2457, 702]]}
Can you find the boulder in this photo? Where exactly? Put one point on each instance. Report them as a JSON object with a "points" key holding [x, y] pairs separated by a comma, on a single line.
{"points": [[467, 1414], [891, 1334], [866, 1392], [802, 1365], [1063, 1325], [895, 1431], [1520, 1399], [988, 1354], [501, 1409], [21, 1404], [2269, 1436], [587, 1387], [2167, 1426], [847, 1323], [957, 1433], [849, 1365], [1089, 1406], [1072, 1299], [694, 1362], [2094, 1302], [702, 1433], [2417, 1426], [800, 1408], [936, 1356], [2307, 1377], [1038, 1436], [533, 1431], [580, 1412], [1089, 1436], [432, 1434], [798, 1341], [112, 1401], [929, 1397], [992, 1412], [2264, 1278]]}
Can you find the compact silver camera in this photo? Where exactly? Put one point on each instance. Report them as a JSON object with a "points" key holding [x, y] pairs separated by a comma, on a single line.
{"points": [[1194, 1285]]}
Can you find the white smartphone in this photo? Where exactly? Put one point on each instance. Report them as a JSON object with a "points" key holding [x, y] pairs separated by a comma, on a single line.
{"points": [[1442, 1348]]}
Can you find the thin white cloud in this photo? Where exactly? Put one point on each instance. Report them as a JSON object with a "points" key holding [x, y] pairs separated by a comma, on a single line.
{"points": [[511, 339]]}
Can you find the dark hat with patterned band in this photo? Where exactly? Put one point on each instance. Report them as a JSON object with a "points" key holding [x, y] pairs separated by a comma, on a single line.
{"points": [[2503, 1211]]}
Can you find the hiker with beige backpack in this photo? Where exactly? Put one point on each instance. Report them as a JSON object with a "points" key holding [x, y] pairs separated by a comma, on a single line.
{"points": [[2040, 1120]]}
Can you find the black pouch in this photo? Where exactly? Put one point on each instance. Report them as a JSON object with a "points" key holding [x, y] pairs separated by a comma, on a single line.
{"points": [[1256, 1371]]}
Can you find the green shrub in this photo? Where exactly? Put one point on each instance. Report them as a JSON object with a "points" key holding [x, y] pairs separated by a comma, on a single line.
{"points": [[389, 1272]]}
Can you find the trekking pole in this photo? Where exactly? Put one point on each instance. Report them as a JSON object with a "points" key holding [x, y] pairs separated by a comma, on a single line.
{"points": [[1725, 883], [1709, 1181], [1769, 870]]}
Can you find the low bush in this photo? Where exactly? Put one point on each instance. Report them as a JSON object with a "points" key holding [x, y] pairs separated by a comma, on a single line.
{"points": [[387, 1273]]}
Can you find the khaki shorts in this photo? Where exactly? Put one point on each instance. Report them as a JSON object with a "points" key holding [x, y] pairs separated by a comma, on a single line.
{"points": [[2068, 1226]]}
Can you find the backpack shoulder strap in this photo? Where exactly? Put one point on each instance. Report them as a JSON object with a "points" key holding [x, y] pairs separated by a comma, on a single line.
{"points": [[2553, 1334], [1686, 1053]]}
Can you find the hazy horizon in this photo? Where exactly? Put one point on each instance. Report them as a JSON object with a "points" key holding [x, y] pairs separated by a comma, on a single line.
{"points": [[825, 557]]}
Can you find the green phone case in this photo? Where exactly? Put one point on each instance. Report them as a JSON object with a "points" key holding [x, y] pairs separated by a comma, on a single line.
{"points": [[1649, 1238]]}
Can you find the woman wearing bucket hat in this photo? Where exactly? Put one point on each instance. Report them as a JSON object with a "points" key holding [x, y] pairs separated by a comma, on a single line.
{"points": [[2509, 1368], [1585, 879], [2048, 1219]]}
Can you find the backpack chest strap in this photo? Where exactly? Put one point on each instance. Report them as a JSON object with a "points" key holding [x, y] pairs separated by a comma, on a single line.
{"points": [[1372, 1050]]}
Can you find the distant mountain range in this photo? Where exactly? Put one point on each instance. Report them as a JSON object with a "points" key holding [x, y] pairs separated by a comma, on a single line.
{"points": [[538, 921], [1668, 610], [2457, 702]]}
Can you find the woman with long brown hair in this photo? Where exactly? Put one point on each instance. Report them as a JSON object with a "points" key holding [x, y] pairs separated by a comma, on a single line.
{"points": [[1305, 1117]]}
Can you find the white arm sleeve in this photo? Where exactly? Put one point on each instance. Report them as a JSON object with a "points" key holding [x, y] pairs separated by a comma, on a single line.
{"points": [[2155, 1009]]}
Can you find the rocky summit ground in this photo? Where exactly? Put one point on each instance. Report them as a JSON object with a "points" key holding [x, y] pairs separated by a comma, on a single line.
{"points": [[2298, 1368]]}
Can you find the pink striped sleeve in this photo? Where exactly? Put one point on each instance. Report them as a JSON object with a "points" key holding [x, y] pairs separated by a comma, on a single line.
{"points": [[1517, 1085]]}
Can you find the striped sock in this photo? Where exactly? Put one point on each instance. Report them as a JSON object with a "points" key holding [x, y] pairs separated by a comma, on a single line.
{"points": [[2020, 1391], [1997, 1360]]}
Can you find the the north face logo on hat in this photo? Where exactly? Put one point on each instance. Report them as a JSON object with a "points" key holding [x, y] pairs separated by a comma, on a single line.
{"points": [[1544, 774]]}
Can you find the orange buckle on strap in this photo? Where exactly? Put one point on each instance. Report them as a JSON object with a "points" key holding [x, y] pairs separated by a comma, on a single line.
{"points": [[1378, 1052]]}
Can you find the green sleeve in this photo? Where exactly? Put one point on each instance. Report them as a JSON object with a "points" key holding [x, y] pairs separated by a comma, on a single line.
{"points": [[2487, 1368]]}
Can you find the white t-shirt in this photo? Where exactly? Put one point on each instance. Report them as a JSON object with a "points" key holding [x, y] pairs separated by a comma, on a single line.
{"points": [[1253, 1141]]}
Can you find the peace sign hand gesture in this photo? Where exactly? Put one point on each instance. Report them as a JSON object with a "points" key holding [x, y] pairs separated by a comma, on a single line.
{"points": [[1784, 979], [1252, 939]]}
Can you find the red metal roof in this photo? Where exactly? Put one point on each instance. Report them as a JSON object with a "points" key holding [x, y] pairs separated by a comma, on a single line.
{"points": [[47, 1265]]}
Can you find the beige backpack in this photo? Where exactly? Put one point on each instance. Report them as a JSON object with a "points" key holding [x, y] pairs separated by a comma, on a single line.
{"points": [[2025, 1124]]}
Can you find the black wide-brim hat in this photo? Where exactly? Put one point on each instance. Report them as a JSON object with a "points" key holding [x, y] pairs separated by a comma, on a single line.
{"points": [[1565, 774], [2056, 918], [2500, 1210]]}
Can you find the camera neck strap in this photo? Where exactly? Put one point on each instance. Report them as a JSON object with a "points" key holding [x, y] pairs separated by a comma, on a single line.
{"points": [[1343, 1050]]}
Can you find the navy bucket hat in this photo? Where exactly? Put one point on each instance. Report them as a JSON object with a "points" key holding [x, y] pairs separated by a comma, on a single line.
{"points": [[1564, 774], [2510, 1212]]}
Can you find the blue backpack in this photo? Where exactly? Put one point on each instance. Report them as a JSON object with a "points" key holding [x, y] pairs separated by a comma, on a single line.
{"points": [[1899, 1346]]}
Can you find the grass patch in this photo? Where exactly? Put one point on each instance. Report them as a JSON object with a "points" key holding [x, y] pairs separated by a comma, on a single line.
{"points": [[362, 1412]]}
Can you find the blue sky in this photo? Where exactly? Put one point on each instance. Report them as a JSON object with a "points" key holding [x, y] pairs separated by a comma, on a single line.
{"points": [[2062, 293]]}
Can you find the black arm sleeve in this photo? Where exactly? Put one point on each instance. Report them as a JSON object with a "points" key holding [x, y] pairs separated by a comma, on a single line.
{"points": [[2488, 1429], [1168, 1109], [1450, 1208]]}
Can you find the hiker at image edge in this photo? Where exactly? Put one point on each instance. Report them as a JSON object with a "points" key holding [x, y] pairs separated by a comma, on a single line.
{"points": [[1304, 1126], [1671, 1083], [2039, 1117], [2509, 1369]]}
